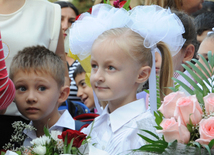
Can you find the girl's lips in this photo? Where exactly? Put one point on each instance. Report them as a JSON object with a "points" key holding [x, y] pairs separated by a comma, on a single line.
{"points": [[65, 34]]}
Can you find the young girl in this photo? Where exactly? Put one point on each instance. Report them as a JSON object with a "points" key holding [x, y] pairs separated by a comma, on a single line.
{"points": [[121, 59]]}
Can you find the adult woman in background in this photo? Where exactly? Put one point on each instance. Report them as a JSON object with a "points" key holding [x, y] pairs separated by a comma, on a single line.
{"points": [[188, 6], [68, 15], [26, 23]]}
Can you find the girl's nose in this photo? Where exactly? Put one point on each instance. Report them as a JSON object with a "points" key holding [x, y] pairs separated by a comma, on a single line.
{"points": [[99, 75]]}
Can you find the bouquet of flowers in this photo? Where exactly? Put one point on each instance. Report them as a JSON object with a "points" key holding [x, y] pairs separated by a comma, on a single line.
{"points": [[186, 122], [55, 143]]}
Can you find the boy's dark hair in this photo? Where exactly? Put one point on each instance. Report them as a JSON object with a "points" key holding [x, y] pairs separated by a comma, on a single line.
{"points": [[204, 22], [78, 70], [207, 6], [38, 59], [65, 4]]}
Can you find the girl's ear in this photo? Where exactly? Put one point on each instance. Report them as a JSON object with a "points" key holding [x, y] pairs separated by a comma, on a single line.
{"points": [[64, 93], [144, 73], [189, 53]]}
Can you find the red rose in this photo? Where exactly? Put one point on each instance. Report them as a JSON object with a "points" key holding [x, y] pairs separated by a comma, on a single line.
{"points": [[121, 4], [73, 134]]}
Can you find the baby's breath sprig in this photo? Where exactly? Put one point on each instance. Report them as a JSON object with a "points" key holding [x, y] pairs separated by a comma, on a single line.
{"points": [[18, 136]]}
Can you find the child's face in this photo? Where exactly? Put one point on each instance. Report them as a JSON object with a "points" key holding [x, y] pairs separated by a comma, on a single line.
{"points": [[206, 46], [84, 91], [36, 96], [158, 61], [201, 37], [114, 73]]}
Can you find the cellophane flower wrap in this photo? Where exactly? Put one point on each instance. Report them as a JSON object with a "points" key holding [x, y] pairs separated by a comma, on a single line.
{"points": [[186, 120]]}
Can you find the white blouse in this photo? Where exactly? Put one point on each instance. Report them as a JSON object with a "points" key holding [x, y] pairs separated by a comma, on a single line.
{"points": [[117, 132]]}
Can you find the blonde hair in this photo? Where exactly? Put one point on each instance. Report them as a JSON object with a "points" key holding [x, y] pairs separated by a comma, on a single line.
{"points": [[175, 4], [133, 43], [123, 37], [39, 60], [166, 72]]}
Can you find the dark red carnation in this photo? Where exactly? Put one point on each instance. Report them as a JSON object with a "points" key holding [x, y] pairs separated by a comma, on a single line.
{"points": [[73, 134], [116, 3]]}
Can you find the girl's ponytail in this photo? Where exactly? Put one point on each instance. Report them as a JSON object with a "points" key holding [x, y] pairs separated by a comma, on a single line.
{"points": [[166, 72]]}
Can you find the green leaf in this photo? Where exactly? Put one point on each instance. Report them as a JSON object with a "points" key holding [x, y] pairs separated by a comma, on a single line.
{"points": [[158, 147], [126, 5], [3, 153], [206, 63], [46, 131], [158, 117], [173, 89], [202, 67], [65, 144], [211, 144], [189, 127], [152, 134], [158, 127], [108, 2], [19, 152], [199, 72], [189, 79], [199, 96], [210, 58], [207, 148], [68, 150], [190, 91], [198, 145], [146, 139]]}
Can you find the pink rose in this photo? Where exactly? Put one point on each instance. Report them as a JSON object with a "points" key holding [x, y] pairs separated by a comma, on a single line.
{"points": [[206, 130], [188, 108], [167, 107], [173, 130], [209, 103]]}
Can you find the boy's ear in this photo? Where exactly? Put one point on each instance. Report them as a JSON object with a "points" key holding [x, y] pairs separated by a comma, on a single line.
{"points": [[64, 93], [144, 74], [189, 53]]}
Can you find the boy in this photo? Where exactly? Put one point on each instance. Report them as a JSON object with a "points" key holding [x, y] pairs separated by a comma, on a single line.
{"points": [[84, 91], [38, 75], [203, 24]]}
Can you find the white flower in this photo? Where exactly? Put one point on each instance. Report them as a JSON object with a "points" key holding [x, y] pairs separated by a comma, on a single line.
{"points": [[41, 150], [54, 134], [41, 141]]}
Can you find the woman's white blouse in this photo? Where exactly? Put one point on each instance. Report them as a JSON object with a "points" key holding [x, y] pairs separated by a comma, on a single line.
{"points": [[116, 133]]}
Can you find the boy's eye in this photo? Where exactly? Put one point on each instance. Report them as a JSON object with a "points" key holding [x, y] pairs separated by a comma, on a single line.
{"points": [[42, 88], [83, 84], [22, 88], [111, 68]]}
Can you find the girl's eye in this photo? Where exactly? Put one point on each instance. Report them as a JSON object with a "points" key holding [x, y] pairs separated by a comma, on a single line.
{"points": [[22, 88], [42, 88], [111, 68], [94, 66], [71, 21]]}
